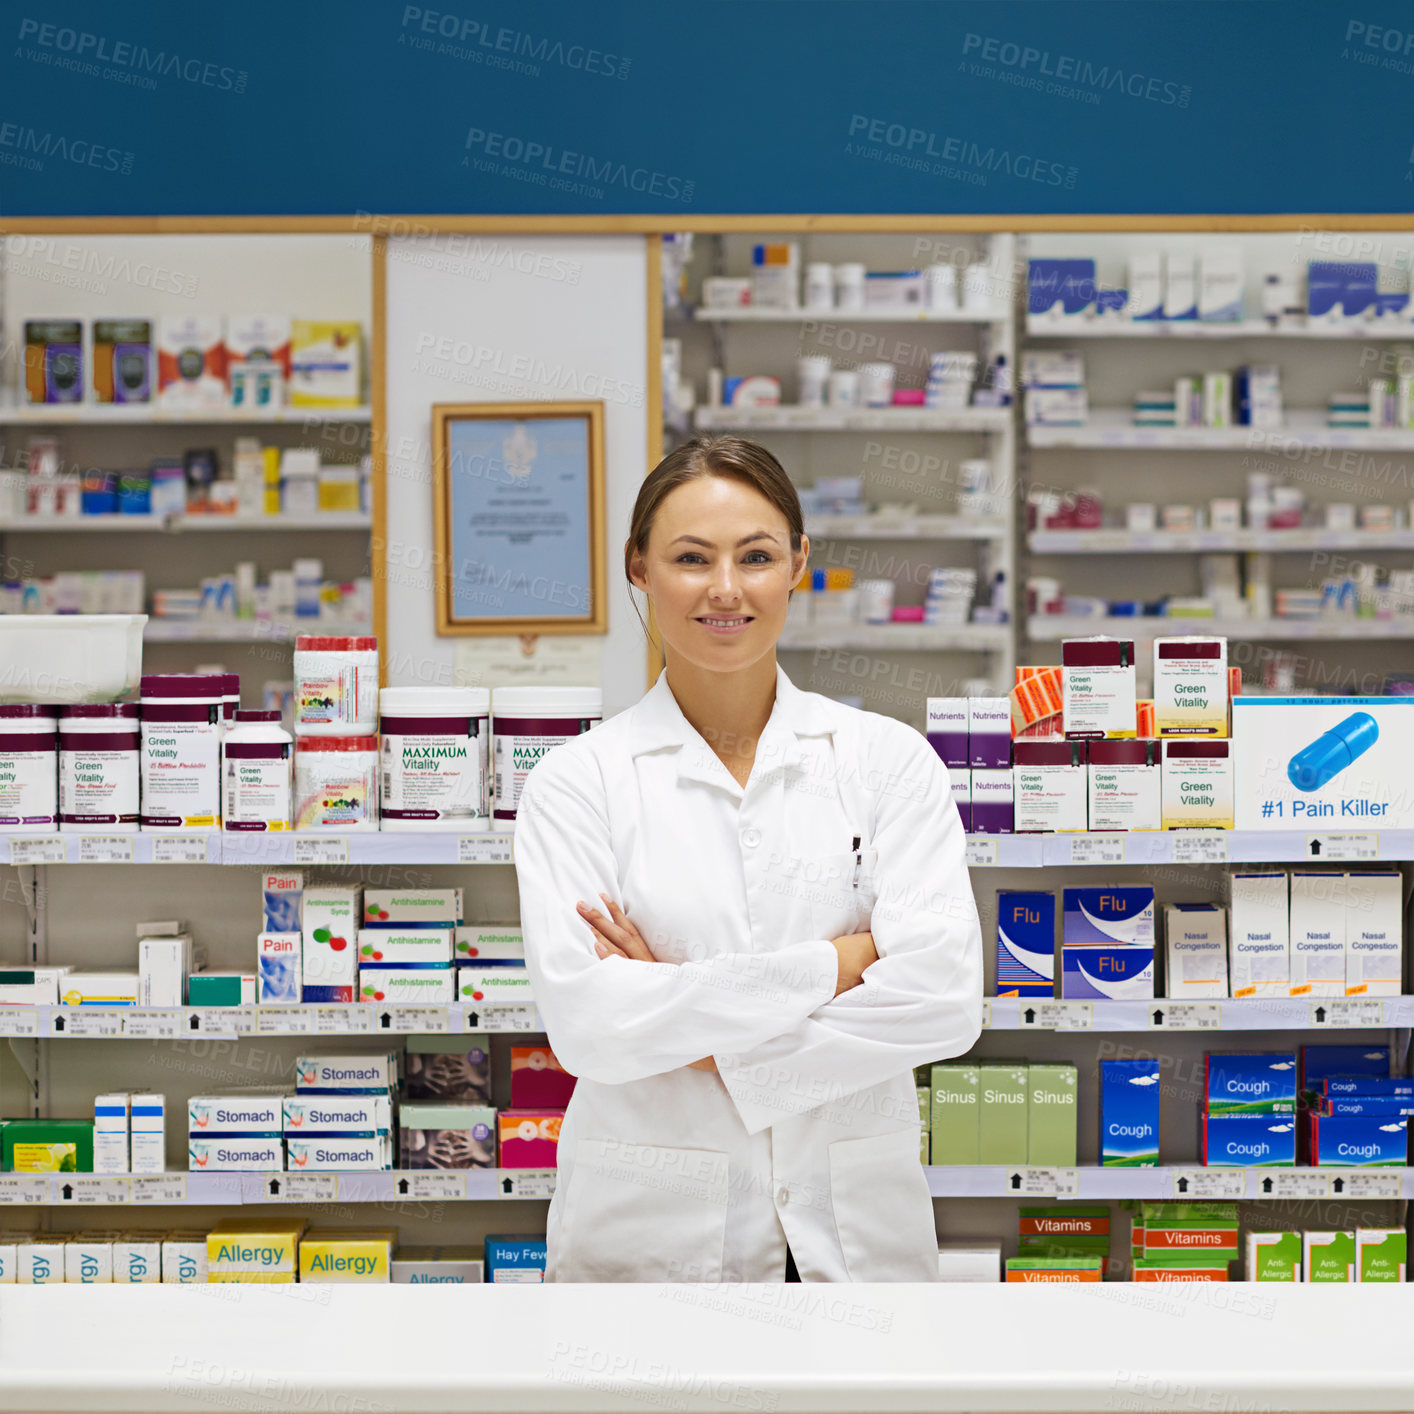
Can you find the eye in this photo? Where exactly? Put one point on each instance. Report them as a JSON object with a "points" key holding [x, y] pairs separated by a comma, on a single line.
{"points": [[766, 556], [688, 555]]}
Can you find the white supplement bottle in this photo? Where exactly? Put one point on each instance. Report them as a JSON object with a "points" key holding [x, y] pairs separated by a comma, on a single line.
{"points": [[230, 699], [99, 748], [525, 723], [336, 783], [336, 685], [436, 758], [181, 750], [29, 770], [256, 772]]}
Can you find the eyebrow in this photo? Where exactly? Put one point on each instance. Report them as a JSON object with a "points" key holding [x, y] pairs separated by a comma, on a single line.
{"points": [[759, 535]]}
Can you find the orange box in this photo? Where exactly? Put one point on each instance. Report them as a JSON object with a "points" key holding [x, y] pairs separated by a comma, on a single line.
{"points": [[538, 1080], [529, 1139]]}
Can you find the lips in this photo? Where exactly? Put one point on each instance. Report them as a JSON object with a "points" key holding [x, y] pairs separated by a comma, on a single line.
{"points": [[726, 621]]}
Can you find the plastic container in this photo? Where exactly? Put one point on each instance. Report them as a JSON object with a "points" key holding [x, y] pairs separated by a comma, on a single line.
{"points": [[256, 774], [849, 285], [435, 772], [819, 285], [230, 699], [526, 722], [29, 770], [99, 749], [876, 384], [336, 783], [53, 659], [336, 686], [181, 751]]}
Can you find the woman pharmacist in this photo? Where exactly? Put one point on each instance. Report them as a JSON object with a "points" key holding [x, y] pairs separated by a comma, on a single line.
{"points": [[746, 918]]}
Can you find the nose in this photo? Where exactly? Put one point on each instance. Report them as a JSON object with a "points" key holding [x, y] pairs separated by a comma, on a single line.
{"points": [[724, 589]]}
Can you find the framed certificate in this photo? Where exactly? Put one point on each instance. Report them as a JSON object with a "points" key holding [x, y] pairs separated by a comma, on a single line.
{"points": [[518, 509]]}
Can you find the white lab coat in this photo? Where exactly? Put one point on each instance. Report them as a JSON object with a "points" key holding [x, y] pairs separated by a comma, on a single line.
{"points": [[810, 1132]]}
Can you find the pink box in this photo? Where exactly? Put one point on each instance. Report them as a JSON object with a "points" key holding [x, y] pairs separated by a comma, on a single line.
{"points": [[908, 614], [538, 1080], [530, 1139]]}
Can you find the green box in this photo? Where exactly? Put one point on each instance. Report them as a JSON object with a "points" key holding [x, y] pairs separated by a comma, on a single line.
{"points": [[925, 1104], [954, 1113], [1274, 1256], [1002, 1104], [1054, 1269], [46, 1146], [1330, 1256], [217, 989], [1381, 1253], [1051, 1112]]}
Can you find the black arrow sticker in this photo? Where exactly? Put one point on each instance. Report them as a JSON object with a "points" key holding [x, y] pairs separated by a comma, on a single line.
{"points": [[507, 1185], [195, 1022], [58, 1023], [67, 1191], [473, 1020], [1182, 1185], [1158, 1018], [1320, 1014], [1338, 1185], [402, 1185], [1315, 847], [385, 1021], [1266, 1185], [1016, 1180], [274, 1187], [1028, 1016]]}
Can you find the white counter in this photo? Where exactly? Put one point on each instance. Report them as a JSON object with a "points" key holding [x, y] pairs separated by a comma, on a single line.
{"points": [[773, 1349]]}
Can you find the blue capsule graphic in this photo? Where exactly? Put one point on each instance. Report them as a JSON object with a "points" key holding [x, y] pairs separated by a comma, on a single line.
{"points": [[1331, 753]]}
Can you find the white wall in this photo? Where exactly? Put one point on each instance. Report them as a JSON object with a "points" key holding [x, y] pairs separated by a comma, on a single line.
{"points": [[478, 320]]}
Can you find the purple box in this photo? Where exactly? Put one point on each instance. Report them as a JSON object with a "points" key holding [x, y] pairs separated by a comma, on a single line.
{"points": [[992, 812], [988, 733], [947, 729], [961, 779]]}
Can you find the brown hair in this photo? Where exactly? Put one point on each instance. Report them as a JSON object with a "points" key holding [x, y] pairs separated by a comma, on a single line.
{"points": [[733, 457]]}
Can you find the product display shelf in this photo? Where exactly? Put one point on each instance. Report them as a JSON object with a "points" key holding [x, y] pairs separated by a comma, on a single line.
{"points": [[1214, 329], [241, 630], [861, 419], [351, 1019], [232, 847], [180, 524], [1303, 428], [138, 414], [1149, 542], [914, 527], [901, 638], [1167, 1181], [1172, 1014], [1349, 844], [1052, 628], [761, 314]]}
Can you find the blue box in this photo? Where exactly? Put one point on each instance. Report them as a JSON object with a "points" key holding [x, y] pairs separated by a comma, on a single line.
{"points": [[1367, 1087], [1249, 1083], [1321, 1061], [1113, 971], [1069, 283], [1249, 1141], [515, 1258], [1359, 1141], [1026, 944], [1110, 915], [1351, 284], [1364, 1105], [1129, 1113]]}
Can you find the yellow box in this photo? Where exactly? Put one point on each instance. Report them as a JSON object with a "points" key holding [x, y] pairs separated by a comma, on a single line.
{"points": [[326, 363], [264, 1278], [347, 1255], [339, 488], [254, 1248]]}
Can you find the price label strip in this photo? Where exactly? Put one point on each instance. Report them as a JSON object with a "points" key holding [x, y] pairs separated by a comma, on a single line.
{"points": [[1199, 847], [1097, 849], [526, 1183], [298, 1188], [342, 1020], [19, 1021], [1291, 1183], [105, 849], [485, 849], [1041, 1182], [181, 849], [503, 1018], [153, 1025], [28, 1189], [93, 1188], [981, 853], [1322, 848], [1210, 1183], [436, 1187], [1366, 1183], [320, 851], [412, 1018], [47, 849], [1057, 1016], [220, 1021], [284, 1021], [85, 1021], [986, 1013], [1346, 1013], [1185, 1016], [160, 1188]]}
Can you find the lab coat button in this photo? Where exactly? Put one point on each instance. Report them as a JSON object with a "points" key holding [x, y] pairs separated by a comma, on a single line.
{"points": [[782, 1195], [751, 838]]}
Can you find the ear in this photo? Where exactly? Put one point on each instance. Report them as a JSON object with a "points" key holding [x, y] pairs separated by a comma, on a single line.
{"points": [[636, 570], [799, 561]]}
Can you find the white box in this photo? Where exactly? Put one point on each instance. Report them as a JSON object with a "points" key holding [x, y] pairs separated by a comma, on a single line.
{"points": [[279, 974], [1317, 933], [490, 942], [1098, 698], [191, 361], [1180, 286], [1146, 285], [1259, 956], [969, 1261], [391, 947], [148, 1131], [356, 1075], [498, 986], [1049, 787], [163, 965], [1052, 368], [42, 990], [99, 988], [317, 1152], [330, 932], [282, 896], [111, 1117], [257, 1111], [41, 1262], [338, 1114], [406, 986], [1217, 399], [1221, 284], [1195, 950], [435, 1266], [1374, 933], [9, 1258], [88, 1260], [411, 908], [1197, 783], [233, 1154], [1190, 686], [184, 1261], [1056, 407], [137, 1259], [988, 733], [1124, 793]]}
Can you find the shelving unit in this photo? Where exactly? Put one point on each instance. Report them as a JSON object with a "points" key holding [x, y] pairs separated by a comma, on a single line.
{"points": [[1176, 542], [155, 414], [1051, 628], [1304, 429], [1180, 329], [184, 524]]}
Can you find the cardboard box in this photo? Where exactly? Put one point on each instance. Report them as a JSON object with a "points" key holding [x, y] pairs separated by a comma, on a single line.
{"points": [[88, 1259], [316, 1152], [184, 1260], [493, 986], [254, 1112], [1197, 783], [191, 361], [1002, 1113], [282, 896], [1329, 1256], [1064, 1269], [350, 1116], [1123, 779], [1260, 956], [329, 928], [1249, 1083], [1026, 944], [1274, 1256], [147, 1132], [217, 989], [137, 1258], [960, 787], [1195, 951], [1049, 786], [954, 1120], [438, 1266], [46, 1146], [538, 1080], [234, 1154], [108, 987], [265, 1245], [1190, 686], [515, 1258], [989, 733], [1317, 933], [992, 805], [947, 730], [976, 1261], [1359, 1141], [326, 363], [1129, 1113], [1374, 933], [1051, 1115], [1381, 1253], [163, 965], [1249, 1140], [122, 360], [1109, 914], [1111, 971], [404, 945], [111, 1118], [448, 1068], [374, 1074], [1098, 687], [447, 1136], [257, 338], [407, 908], [347, 1255], [528, 1139], [41, 1260], [407, 985], [489, 942]]}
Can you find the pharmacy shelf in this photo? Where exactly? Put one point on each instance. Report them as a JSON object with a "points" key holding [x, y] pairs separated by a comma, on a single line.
{"points": [[148, 524], [143, 414], [1072, 328], [813, 419], [899, 527], [234, 848], [1146, 847], [763, 314], [1113, 428], [242, 630], [100, 1023], [1167, 1181], [1173, 1014], [901, 638], [1149, 542], [1052, 628]]}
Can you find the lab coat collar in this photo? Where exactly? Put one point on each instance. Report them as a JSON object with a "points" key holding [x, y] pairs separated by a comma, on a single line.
{"points": [[659, 723]]}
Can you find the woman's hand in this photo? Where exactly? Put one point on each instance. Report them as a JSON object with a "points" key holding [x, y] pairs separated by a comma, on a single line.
{"points": [[616, 936], [856, 952]]}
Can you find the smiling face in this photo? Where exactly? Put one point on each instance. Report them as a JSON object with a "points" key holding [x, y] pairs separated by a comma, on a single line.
{"points": [[718, 568]]}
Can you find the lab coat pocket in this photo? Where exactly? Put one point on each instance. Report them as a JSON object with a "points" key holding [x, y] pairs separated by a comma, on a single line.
{"points": [[840, 889], [883, 1208], [644, 1212]]}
